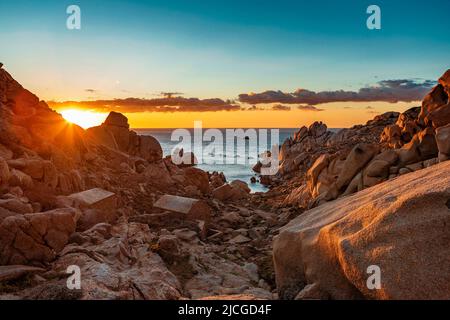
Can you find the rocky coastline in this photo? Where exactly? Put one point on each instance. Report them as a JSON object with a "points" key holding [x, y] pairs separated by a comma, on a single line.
{"points": [[140, 227]]}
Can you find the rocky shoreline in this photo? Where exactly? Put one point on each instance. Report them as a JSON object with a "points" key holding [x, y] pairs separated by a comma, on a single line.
{"points": [[140, 227]]}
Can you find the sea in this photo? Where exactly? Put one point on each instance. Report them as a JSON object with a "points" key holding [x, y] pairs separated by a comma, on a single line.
{"points": [[243, 160]]}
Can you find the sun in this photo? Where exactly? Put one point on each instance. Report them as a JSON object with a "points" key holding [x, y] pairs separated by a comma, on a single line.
{"points": [[85, 119]]}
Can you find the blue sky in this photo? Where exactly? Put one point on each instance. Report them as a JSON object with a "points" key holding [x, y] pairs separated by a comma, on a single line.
{"points": [[219, 48]]}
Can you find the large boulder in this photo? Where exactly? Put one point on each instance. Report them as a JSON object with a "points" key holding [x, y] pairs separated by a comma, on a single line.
{"points": [[197, 178], [98, 206], [440, 116], [231, 191], [422, 147], [355, 161], [102, 136], [443, 141], [392, 135], [324, 185], [444, 81], [239, 184], [313, 173], [401, 227], [317, 129], [436, 107], [378, 169], [432, 101], [115, 134], [149, 149], [117, 119]]}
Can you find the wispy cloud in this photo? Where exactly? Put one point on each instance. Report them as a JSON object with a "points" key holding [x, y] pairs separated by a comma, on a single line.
{"points": [[309, 108], [280, 107]]}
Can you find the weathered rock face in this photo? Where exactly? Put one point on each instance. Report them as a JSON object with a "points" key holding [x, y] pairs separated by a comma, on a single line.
{"points": [[443, 142], [115, 263], [95, 199], [115, 134], [148, 148], [294, 152], [236, 190], [44, 150], [402, 227], [116, 119], [29, 125], [36, 238]]}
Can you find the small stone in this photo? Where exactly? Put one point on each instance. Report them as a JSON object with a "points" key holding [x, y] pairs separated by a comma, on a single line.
{"points": [[186, 235], [193, 209], [239, 239]]}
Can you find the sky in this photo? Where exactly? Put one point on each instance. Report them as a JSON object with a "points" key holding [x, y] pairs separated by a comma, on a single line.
{"points": [[242, 61]]}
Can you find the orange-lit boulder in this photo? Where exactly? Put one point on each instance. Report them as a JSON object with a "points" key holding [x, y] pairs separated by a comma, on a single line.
{"points": [[400, 226]]}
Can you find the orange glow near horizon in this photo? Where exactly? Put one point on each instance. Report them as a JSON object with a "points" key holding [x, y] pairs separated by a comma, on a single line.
{"points": [[334, 115], [83, 118]]}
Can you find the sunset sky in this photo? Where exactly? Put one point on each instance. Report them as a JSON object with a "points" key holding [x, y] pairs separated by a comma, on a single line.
{"points": [[228, 63]]}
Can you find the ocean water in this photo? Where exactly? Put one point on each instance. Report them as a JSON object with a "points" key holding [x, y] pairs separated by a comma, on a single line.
{"points": [[235, 163]]}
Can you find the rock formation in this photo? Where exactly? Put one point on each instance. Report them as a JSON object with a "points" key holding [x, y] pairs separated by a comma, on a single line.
{"points": [[325, 165], [397, 221], [141, 227], [105, 200], [402, 227]]}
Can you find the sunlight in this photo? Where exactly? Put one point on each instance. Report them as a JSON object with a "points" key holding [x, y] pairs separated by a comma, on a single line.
{"points": [[84, 119]]}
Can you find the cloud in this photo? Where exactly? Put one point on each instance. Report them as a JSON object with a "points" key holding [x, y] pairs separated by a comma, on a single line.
{"points": [[171, 94], [253, 108], [280, 107], [309, 108], [406, 90], [167, 104]]}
